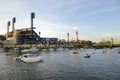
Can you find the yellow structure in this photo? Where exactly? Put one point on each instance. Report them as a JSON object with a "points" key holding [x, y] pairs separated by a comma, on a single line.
{"points": [[12, 36], [111, 41], [103, 41]]}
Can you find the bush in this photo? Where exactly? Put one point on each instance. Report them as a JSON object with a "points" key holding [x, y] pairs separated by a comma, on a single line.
{"points": [[79, 46]]}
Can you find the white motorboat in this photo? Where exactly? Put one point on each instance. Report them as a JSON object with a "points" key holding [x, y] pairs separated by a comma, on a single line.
{"points": [[92, 52], [31, 58], [86, 56], [30, 55]]}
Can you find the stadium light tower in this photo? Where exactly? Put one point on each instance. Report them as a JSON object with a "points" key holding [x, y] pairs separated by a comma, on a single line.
{"points": [[13, 22], [32, 17], [68, 36], [77, 35], [39, 33], [8, 24]]}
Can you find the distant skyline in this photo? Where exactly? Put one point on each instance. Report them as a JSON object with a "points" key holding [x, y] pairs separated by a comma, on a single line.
{"points": [[93, 19]]}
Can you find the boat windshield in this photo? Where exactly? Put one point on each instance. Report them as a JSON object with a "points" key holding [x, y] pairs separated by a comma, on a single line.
{"points": [[31, 55], [28, 55]]}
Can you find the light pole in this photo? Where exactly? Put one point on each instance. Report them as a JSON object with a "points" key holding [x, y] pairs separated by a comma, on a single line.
{"points": [[77, 35], [13, 21], [32, 17], [39, 33], [68, 36], [68, 39], [8, 24]]}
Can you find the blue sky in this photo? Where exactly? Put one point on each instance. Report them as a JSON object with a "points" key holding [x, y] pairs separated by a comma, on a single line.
{"points": [[93, 19]]}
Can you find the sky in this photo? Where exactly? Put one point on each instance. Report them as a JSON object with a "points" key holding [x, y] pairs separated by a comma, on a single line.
{"points": [[93, 19]]}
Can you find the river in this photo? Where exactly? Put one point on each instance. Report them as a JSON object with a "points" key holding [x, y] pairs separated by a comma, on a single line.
{"points": [[63, 65]]}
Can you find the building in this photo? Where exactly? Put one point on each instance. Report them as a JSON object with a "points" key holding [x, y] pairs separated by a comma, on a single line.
{"points": [[26, 35], [87, 42], [103, 41], [50, 41], [111, 41], [22, 36]]}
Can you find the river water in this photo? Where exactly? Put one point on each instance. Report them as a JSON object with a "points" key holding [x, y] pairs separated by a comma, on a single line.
{"points": [[63, 65]]}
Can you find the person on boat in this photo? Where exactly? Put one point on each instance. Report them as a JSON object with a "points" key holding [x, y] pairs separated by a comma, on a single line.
{"points": [[36, 54]]}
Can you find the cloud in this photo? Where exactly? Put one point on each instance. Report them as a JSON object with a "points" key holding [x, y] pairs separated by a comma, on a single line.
{"points": [[110, 34], [51, 29], [57, 4], [100, 11], [75, 28], [53, 26]]}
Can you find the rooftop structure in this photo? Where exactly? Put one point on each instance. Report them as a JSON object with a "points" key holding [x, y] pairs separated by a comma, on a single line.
{"points": [[22, 36], [26, 35]]}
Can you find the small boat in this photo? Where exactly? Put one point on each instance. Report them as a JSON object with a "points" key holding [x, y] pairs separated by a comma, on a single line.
{"points": [[30, 55], [1, 49], [16, 49], [31, 58], [92, 52], [118, 52], [75, 51], [86, 56], [8, 54]]}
